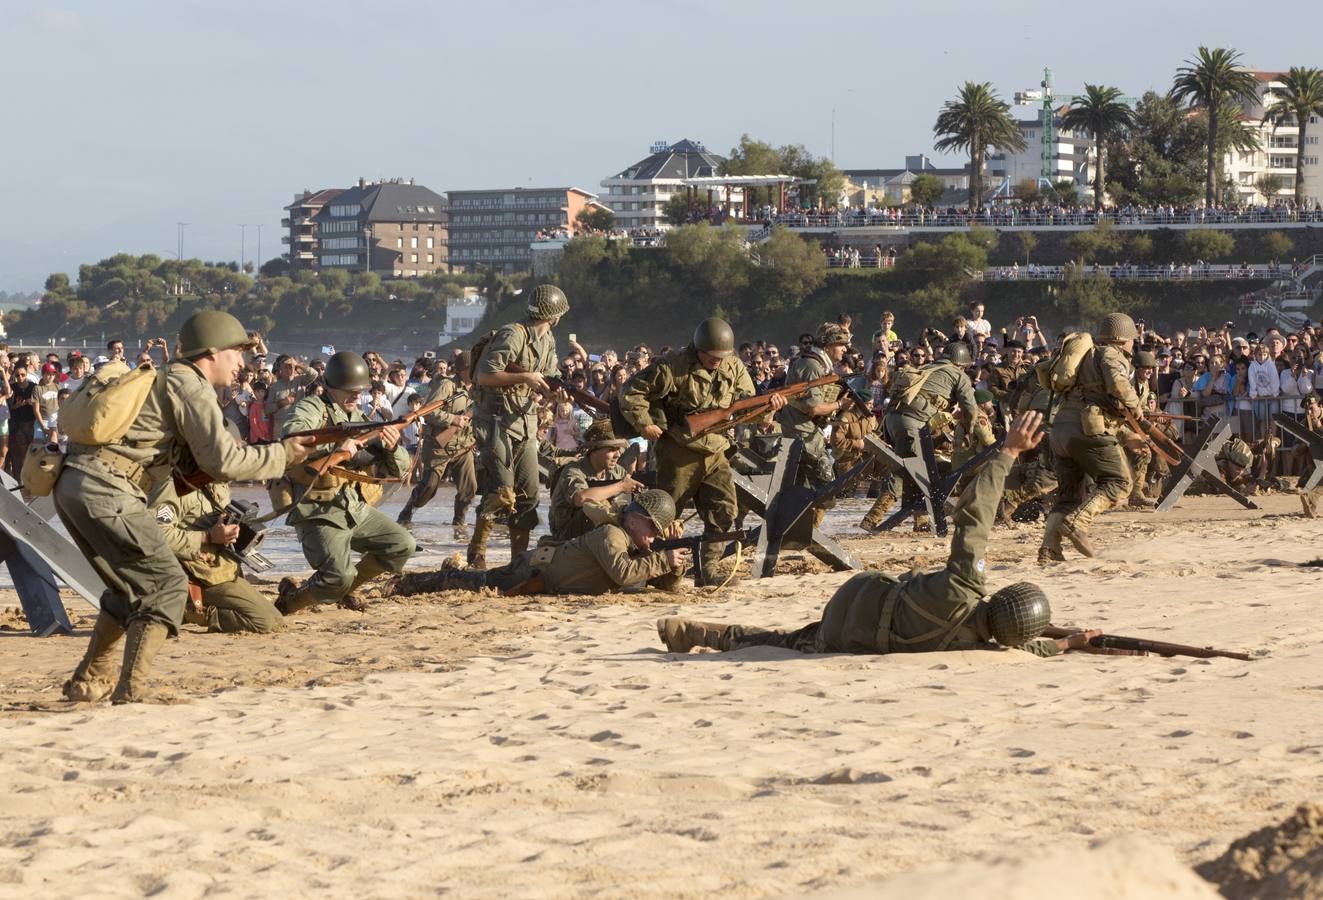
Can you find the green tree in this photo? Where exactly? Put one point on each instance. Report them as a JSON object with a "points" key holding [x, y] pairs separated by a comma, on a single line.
{"points": [[1299, 99], [676, 209], [1269, 185], [974, 122], [753, 157], [1101, 114], [1098, 242], [1066, 192], [790, 268], [1160, 160], [1027, 242], [595, 218], [1210, 80], [1140, 246], [1276, 245], [926, 189], [1208, 244], [948, 262], [1085, 297], [57, 283]]}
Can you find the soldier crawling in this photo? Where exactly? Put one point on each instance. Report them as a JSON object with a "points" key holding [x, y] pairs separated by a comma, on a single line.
{"points": [[942, 610]]}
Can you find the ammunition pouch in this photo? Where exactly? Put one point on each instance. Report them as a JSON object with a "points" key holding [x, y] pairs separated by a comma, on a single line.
{"points": [[41, 469]]}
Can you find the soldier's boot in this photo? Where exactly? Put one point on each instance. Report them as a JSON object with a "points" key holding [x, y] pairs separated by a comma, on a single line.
{"points": [[91, 681], [477, 553], [818, 516], [682, 635], [369, 567], [1075, 527], [1050, 550], [292, 597], [406, 515], [922, 523], [143, 642], [1140, 500], [459, 531], [716, 570], [519, 538], [872, 519]]}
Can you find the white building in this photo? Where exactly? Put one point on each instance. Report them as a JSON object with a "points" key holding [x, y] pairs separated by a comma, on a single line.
{"points": [[1279, 154], [638, 195], [1071, 156], [463, 315]]}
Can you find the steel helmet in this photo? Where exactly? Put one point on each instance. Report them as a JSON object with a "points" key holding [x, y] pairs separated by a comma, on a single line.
{"points": [[346, 371], [830, 333], [211, 330], [654, 505], [547, 302], [1018, 613], [958, 353], [1117, 326], [715, 336]]}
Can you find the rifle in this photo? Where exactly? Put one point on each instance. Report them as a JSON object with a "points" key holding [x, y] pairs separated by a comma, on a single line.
{"points": [[1162, 445], [336, 458], [692, 542], [750, 408], [251, 534], [1144, 645], [583, 398]]}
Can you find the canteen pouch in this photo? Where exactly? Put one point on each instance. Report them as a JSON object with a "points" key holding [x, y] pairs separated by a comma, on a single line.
{"points": [[41, 469], [103, 409], [1092, 422]]}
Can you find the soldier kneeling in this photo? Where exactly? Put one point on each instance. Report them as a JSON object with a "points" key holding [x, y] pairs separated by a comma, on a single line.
{"points": [[943, 610], [607, 559]]}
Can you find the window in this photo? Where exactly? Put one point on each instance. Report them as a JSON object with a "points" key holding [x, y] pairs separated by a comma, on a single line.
{"points": [[429, 258], [429, 243], [346, 209], [413, 243], [413, 257], [399, 243], [340, 243]]}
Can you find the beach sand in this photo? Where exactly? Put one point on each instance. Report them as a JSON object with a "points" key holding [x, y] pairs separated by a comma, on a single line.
{"points": [[483, 746]]}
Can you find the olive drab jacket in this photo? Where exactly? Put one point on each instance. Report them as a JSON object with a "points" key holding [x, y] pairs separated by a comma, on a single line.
{"points": [[332, 500], [459, 402], [599, 562], [675, 386], [567, 520], [1003, 379], [514, 408], [794, 416], [180, 426], [185, 521], [941, 386], [1103, 380], [941, 610]]}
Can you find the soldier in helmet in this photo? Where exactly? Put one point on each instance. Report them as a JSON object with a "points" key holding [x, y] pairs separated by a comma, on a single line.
{"points": [[447, 447], [332, 517], [1235, 464], [851, 425], [587, 490], [923, 397], [915, 612], [805, 416], [703, 376], [506, 420], [1138, 454], [1084, 439], [101, 497], [609, 558]]}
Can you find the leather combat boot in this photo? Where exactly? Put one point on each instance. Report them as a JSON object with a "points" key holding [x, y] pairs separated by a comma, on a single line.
{"points": [[91, 681], [477, 554], [406, 514], [144, 640], [292, 597], [1075, 527], [1050, 550], [922, 524], [459, 532], [682, 635], [873, 519]]}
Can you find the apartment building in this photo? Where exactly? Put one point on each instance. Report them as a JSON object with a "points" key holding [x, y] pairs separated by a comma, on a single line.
{"points": [[304, 251], [1069, 155], [1278, 155], [880, 187], [395, 228], [494, 228], [638, 194]]}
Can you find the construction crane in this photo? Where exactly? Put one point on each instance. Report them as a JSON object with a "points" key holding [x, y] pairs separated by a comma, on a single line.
{"points": [[1045, 96]]}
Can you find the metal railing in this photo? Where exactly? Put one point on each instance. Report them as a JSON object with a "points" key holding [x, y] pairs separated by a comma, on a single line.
{"points": [[1016, 217], [1127, 272]]}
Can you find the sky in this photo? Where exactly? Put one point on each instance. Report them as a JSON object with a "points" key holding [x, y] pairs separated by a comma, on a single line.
{"points": [[124, 117]]}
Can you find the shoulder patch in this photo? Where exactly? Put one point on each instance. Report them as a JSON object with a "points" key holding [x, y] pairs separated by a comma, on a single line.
{"points": [[165, 515]]}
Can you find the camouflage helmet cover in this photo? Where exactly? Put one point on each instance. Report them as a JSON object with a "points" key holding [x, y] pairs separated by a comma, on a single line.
{"points": [[347, 371], [600, 434], [1237, 452], [958, 353], [547, 302], [654, 505], [715, 336], [1018, 613], [830, 333], [210, 330], [1117, 326]]}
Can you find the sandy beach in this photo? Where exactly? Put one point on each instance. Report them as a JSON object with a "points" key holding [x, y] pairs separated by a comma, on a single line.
{"points": [[482, 746]]}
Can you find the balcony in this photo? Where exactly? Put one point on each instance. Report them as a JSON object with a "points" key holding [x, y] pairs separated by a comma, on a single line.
{"points": [[284, 239]]}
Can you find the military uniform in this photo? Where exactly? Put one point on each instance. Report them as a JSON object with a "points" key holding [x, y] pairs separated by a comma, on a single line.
{"points": [[229, 602], [1003, 381], [333, 520], [848, 429], [797, 421], [1084, 444], [877, 613], [568, 519], [688, 467], [453, 460], [1033, 474], [921, 397], [506, 428]]}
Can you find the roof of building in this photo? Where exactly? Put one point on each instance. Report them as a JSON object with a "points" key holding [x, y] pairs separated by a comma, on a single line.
{"points": [[856, 175], [683, 159], [527, 190], [393, 201], [316, 198]]}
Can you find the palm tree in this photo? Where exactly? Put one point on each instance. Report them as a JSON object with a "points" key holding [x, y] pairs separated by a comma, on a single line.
{"points": [[1299, 97], [1099, 113], [975, 121], [1208, 81]]}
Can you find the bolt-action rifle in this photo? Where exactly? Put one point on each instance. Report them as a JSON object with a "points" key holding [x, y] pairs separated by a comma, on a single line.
{"points": [[583, 398], [750, 408], [1144, 645]]}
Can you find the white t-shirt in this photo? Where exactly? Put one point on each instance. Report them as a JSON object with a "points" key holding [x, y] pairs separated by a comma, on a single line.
{"points": [[981, 327]]}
